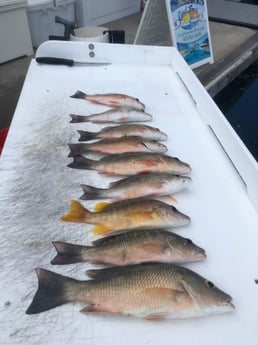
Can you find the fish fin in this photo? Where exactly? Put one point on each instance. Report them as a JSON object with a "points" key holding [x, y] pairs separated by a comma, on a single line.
{"points": [[90, 192], [151, 247], [114, 104], [140, 215], [166, 297], [92, 273], [114, 184], [159, 292], [79, 94], [89, 309], [108, 174], [156, 316], [80, 162], [118, 182], [98, 262], [102, 240], [77, 214], [77, 149], [168, 198], [94, 309], [78, 118], [100, 206], [187, 290], [100, 273], [101, 229], [50, 293], [67, 253], [86, 136], [113, 271]]}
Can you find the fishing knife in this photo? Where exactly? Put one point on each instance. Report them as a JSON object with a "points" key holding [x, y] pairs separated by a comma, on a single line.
{"points": [[68, 62]]}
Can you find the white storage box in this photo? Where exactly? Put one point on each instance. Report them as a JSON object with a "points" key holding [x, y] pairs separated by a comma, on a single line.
{"points": [[15, 40], [98, 12], [41, 16], [36, 188]]}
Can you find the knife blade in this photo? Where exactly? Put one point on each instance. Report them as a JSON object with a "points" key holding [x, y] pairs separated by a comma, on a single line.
{"points": [[67, 62]]}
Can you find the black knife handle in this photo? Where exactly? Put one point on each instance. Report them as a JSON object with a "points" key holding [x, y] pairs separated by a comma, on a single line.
{"points": [[55, 61]]}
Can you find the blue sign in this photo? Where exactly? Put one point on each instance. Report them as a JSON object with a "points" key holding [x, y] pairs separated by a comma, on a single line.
{"points": [[190, 30]]}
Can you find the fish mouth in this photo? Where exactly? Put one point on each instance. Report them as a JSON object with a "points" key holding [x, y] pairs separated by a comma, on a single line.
{"points": [[231, 305], [227, 304], [185, 220], [200, 254]]}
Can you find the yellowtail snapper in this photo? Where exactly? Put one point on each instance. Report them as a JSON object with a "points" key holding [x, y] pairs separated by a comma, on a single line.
{"points": [[127, 215]]}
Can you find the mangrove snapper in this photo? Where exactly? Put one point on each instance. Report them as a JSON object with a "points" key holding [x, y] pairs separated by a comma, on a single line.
{"points": [[131, 248], [116, 115], [150, 291], [111, 99], [133, 163], [140, 185], [126, 130], [117, 146]]}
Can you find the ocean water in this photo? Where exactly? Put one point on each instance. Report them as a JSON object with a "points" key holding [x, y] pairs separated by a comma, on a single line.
{"points": [[239, 103]]}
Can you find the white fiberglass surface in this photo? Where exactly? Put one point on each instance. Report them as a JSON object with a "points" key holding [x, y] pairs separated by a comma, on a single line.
{"points": [[38, 186]]}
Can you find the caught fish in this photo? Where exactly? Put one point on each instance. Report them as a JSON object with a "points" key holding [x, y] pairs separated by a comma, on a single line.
{"points": [[121, 131], [133, 214], [149, 291], [131, 248], [117, 146], [111, 99], [140, 185], [132, 163], [116, 115]]}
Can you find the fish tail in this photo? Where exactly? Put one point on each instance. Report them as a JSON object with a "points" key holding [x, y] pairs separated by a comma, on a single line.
{"points": [[85, 136], [77, 214], [51, 291], [67, 253], [78, 118], [80, 162], [79, 94], [91, 193], [77, 149]]}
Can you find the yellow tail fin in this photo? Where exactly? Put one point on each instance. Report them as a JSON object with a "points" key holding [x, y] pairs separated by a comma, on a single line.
{"points": [[77, 213]]}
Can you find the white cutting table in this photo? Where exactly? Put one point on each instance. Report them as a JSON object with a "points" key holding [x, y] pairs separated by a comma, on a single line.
{"points": [[36, 188]]}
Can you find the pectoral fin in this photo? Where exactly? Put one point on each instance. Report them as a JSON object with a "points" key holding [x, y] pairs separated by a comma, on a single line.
{"points": [[169, 199], [100, 206], [101, 229], [156, 317]]}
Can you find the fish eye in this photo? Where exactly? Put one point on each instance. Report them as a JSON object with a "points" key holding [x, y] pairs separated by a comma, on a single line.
{"points": [[209, 284], [173, 208]]}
